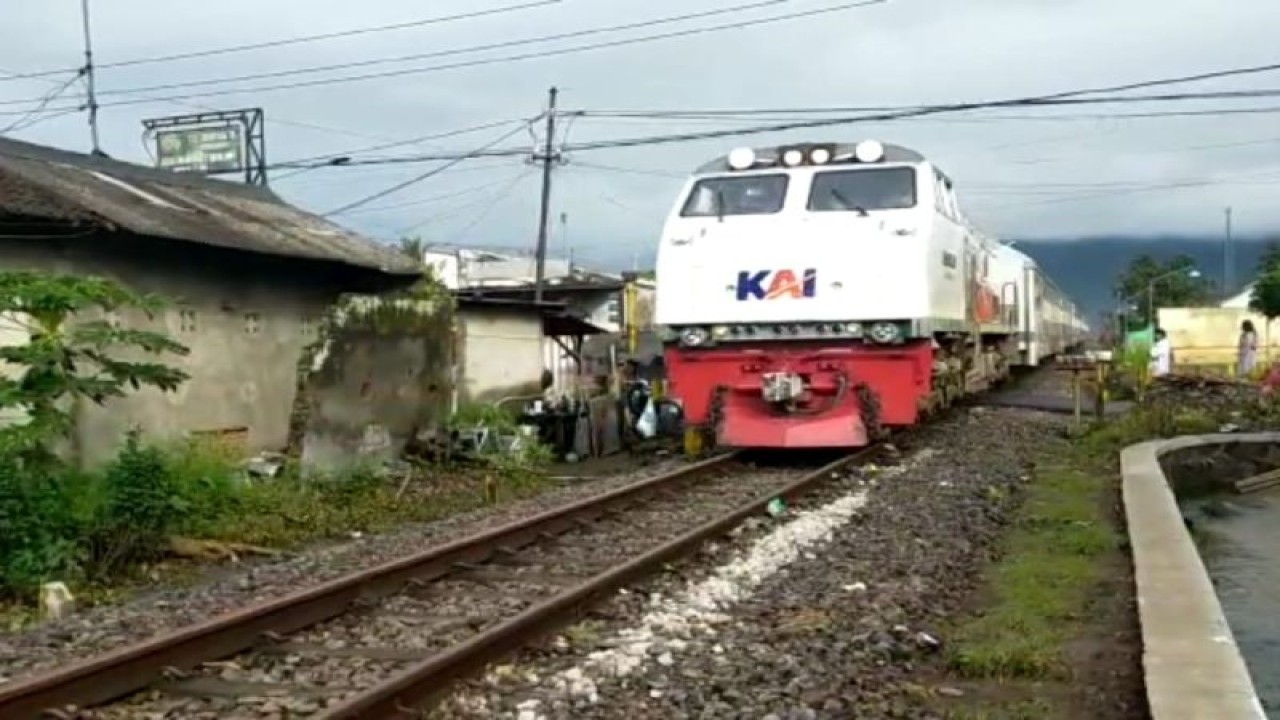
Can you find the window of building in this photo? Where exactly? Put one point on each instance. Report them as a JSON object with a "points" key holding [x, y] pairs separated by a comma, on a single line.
{"points": [[252, 323], [187, 320]]}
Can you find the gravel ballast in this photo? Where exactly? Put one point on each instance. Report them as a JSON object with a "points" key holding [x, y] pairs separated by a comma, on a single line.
{"points": [[826, 612], [227, 588]]}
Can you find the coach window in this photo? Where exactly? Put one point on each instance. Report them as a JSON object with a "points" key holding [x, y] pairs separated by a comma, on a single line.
{"points": [[742, 195], [863, 190]]}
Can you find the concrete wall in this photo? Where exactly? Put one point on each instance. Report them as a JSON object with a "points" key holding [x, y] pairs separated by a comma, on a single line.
{"points": [[1208, 336], [13, 331], [245, 319], [379, 372], [1191, 665], [501, 353]]}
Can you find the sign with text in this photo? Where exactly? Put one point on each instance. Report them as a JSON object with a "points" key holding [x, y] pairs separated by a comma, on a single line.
{"points": [[207, 150]]}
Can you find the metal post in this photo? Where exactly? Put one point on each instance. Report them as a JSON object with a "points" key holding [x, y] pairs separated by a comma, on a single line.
{"points": [[1228, 259], [548, 157], [91, 91]]}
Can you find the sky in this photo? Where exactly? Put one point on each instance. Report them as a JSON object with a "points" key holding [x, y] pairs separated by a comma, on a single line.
{"points": [[1025, 173]]}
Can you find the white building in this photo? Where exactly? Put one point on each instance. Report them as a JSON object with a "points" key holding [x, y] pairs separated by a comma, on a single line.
{"points": [[593, 297]]}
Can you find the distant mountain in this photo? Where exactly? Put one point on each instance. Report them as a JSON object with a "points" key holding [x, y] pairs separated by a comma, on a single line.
{"points": [[1087, 268]]}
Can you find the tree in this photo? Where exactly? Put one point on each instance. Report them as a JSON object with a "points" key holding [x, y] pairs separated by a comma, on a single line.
{"points": [[413, 247], [1174, 287], [68, 360], [1270, 260]]}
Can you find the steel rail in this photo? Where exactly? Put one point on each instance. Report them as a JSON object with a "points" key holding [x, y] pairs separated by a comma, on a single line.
{"points": [[407, 694], [117, 673]]}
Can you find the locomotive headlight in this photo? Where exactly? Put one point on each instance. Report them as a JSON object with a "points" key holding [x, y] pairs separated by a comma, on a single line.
{"points": [[742, 158], [884, 332], [820, 156], [792, 157], [869, 151], [854, 329], [720, 330], [695, 336]]}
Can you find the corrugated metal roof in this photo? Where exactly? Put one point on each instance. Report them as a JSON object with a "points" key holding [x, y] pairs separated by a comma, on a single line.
{"points": [[47, 183]]}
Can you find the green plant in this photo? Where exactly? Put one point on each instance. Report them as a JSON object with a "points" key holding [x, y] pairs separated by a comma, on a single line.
{"points": [[64, 361]]}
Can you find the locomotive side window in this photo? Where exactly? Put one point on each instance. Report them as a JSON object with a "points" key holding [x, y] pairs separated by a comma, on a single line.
{"points": [[743, 195], [863, 190]]}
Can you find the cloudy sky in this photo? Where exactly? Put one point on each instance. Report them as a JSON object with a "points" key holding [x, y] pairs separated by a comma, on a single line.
{"points": [[1044, 172]]}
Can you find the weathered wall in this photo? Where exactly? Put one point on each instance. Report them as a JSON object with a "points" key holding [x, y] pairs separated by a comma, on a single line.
{"points": [[379, 372], [244, 317], [501, 352], [1207, 336]]}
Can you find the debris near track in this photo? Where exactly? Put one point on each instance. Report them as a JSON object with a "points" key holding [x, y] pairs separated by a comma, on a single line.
{"points": [[840, 632], [1205, 393], [213, 550]]}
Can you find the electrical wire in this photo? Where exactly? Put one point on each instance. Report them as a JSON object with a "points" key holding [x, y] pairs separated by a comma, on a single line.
{"points": [[336, 159], [205, 108], [504, 194], [480, 62], [504, 45], [461, 209], [297, 40], [434, 198], [32, 117], [628, 171], [419, 178], [758, 113]]}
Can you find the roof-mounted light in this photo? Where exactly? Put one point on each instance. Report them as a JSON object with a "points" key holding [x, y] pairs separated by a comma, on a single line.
{"points": [[820, 156], [869, 151], [742, 158], [792, 157]]}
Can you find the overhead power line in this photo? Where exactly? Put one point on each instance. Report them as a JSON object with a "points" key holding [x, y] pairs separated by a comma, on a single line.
{"points": [[504, 45], [419, 178], [298, 40], [484, 61], [32, 116], [306, 163], [1027, 101], [767, 112]]}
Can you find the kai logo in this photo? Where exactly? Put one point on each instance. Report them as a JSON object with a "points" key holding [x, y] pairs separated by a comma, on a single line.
{"points": [[783, 283]]}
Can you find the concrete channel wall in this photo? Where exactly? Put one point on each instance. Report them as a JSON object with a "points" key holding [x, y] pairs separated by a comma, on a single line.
{"points": [[1192, 667]]}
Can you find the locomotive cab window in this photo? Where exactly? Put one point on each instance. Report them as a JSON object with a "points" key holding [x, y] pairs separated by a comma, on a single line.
{"points": [[743, 195], [863, 190]]}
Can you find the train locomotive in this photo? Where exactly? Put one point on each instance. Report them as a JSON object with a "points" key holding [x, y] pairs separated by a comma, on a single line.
{"points": [[819, 295]]}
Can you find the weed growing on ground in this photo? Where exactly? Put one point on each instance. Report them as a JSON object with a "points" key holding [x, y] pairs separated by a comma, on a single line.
{"points": [[95, 529], [1039, 589]]}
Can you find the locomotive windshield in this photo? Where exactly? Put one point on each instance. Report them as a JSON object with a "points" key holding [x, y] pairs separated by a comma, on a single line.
{"points": [[864, 189], [742, 195]]}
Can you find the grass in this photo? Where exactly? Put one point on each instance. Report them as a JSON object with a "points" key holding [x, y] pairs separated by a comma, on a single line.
{"points": [[1038, 593], [205, 496]]}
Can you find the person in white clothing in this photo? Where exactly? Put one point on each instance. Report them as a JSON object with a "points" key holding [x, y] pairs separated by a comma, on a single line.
{"points": [[1161, 355]]}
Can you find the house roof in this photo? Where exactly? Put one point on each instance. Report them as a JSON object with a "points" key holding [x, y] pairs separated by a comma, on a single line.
{"points": [[46, 183], [556, 320]]}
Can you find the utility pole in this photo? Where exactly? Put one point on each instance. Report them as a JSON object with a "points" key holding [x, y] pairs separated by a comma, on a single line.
{"points": [[1228, 259], [548, 158], [88, 74]]}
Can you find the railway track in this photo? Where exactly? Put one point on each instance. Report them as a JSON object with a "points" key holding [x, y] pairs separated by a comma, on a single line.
{"points": [[389, 641]]}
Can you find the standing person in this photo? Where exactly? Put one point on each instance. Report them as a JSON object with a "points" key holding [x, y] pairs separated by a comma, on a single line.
{"points": [[1246, 350], [1161, 355]]}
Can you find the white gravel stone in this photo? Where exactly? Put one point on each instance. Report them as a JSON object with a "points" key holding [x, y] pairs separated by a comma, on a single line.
{"points": [[670, 624]]}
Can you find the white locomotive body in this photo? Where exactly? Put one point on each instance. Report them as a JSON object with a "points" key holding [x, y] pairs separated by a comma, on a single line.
{"points": [[808, 286]]}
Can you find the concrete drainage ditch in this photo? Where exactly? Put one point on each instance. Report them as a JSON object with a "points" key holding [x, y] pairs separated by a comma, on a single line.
{"points": [[1193, 667]]}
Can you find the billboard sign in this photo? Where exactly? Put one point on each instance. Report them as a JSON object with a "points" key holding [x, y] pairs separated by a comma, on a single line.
{"points": [[208, 150]]}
